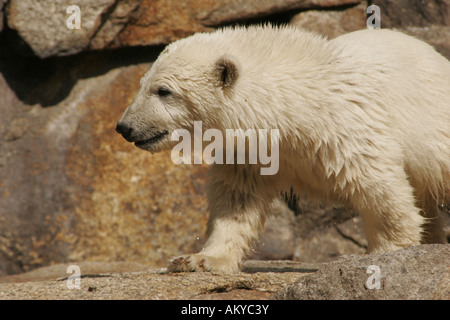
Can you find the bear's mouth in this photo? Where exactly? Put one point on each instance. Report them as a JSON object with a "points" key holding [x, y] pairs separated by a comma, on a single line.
{"points": [[143, 144]]}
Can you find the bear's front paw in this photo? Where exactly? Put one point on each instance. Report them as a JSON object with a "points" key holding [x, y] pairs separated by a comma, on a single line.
{"points": [[202, 263]]}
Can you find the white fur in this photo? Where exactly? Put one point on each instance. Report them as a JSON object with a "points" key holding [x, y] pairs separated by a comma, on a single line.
{"points": [[364, 119]]}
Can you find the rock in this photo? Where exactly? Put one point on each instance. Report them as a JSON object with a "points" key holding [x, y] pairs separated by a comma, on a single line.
{"points": [[7, 101], [225, 11], [324, 232], [153, 284], [42, 24], [1, 15], [160, 22], [71, 188], [122, 23], [59, 271], [404, 13], [253, 266], [327, 243], [418, 273], [120, 16], [332, 23]]}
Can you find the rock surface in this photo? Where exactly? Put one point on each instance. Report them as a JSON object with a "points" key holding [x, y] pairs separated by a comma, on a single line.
{"points": [[42, 24], [121, 23], [405, 13], [153, 284], [420, 272], [68, 190], [332, 23], [415, 273], [87, 268]]}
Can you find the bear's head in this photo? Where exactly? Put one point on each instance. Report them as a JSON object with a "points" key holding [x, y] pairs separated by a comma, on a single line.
{"points": [[188, 82]]}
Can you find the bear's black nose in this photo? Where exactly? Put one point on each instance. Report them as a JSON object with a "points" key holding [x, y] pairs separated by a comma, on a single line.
{"points": [[124, 130]]}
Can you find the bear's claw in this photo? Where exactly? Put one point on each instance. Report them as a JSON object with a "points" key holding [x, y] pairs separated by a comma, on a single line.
{"points": [[202, 263], [189, 263]]}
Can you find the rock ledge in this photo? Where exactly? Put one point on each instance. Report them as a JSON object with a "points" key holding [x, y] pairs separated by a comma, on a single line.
{"points": [[420, 272]]}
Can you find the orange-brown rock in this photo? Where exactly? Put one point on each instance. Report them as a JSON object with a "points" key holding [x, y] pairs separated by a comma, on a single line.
{"points": [[71, 188]]}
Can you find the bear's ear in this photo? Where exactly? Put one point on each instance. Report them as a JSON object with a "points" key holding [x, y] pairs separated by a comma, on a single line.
{"points": [[225, 71]]}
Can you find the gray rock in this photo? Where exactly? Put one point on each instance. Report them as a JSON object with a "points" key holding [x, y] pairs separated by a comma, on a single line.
{"points": [[420, 272], [404, 13], [108, 33], [42, 24]]}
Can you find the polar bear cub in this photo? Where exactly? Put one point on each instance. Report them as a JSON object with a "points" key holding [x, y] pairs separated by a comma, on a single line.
{"points": [[363, 119]]}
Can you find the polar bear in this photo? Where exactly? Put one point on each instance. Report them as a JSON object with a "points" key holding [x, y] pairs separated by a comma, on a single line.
{"points": [[363, 119]]}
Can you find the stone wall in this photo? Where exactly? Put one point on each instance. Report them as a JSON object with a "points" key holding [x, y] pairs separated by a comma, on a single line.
{"points": [[71, 189]]}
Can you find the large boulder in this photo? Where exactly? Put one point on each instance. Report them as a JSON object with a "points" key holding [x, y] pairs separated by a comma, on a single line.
{"points": [[42, 24], [417, 273], [123, 23]]}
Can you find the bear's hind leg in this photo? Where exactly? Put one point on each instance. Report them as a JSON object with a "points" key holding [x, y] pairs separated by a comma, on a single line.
{"points": [[391, 219]]}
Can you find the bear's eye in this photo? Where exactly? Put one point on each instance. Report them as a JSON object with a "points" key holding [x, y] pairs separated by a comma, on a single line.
{"points": [[163, 92]]}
